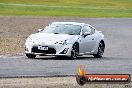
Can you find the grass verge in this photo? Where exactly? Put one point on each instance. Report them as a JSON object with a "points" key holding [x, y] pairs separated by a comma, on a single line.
{"points": [[10, 45], [85, 8]]}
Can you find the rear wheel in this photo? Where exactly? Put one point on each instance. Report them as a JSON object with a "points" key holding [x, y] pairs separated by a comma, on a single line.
{"points": [[100, 50], [75, 51], [30, 55]]}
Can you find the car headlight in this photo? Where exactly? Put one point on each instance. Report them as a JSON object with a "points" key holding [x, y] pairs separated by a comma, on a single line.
{"points": [[65, 42], [29, 40]]}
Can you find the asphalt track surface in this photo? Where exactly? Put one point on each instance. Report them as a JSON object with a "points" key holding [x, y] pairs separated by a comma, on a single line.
{"points": [[117, 57]]}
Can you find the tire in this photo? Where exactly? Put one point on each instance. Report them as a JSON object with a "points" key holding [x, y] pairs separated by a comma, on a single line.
{"points": [[30, 55], [75, 51], [100, 50]]}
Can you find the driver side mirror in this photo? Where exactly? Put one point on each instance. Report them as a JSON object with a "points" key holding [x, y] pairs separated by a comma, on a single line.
{"points": [[86, 34], [39, 30]]}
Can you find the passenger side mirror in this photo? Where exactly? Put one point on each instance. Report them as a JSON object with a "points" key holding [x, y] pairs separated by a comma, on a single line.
{"points": [[39, 30]]}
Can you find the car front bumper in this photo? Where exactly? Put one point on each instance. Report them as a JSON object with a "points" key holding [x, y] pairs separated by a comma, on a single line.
{"points": [[53, 49]]}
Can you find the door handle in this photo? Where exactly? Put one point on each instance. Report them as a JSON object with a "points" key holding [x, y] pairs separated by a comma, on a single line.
{"points": [[92, 38]]}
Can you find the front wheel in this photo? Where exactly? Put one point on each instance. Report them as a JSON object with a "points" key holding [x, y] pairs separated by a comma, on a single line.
{"points": [[30, 55], [75, 51], [100, 50]]}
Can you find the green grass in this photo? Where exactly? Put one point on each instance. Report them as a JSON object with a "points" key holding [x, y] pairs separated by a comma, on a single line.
{"points": [[78, 8]]}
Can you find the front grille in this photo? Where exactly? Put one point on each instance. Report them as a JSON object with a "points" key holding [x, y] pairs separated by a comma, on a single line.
{"points": [[49, 51]]}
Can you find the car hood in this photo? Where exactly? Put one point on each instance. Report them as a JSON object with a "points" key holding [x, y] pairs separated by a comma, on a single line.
{"points": [[52, 38]]}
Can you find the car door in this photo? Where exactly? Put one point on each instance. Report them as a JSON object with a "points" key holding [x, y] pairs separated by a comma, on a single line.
{"points": [[94, 39], [87, 42]]}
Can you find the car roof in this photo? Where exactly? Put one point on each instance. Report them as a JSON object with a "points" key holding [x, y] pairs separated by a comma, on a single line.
{"points": [[74, 23]]}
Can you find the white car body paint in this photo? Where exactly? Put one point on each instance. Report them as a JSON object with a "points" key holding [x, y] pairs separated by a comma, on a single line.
{"points": [[87, 45]]}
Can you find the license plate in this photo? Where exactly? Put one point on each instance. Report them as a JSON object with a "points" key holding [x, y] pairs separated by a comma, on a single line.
{"points": [[42, 47]]}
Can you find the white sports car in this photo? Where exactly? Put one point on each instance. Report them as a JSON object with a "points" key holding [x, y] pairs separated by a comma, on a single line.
{"points": [[69, 39]]}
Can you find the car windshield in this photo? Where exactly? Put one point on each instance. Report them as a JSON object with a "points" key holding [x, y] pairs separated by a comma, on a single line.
{"points": [[63, 29]]}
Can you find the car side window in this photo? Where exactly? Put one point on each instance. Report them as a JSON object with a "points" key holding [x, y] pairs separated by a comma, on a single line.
{"points": [[86, 29]]}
